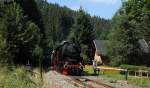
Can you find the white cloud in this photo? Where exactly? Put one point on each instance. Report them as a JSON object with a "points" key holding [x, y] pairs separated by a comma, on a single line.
{"points": [[108, 2]]}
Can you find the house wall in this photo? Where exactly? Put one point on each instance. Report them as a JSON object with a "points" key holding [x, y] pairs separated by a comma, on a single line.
{"points": [[97, 57]]}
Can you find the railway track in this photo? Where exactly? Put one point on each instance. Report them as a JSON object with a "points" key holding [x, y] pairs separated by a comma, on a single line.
{"points": [[88, 83], [57, 80], [83, 82]]}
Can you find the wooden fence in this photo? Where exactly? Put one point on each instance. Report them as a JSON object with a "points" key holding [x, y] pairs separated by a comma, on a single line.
{"points": [[133, 73]]}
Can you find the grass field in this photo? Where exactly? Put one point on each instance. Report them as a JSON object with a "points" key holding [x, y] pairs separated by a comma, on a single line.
{"points": [[143, 82], [17, 78]]}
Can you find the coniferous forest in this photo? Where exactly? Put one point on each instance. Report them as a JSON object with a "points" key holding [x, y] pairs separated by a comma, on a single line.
{"points": [[31, 29]]}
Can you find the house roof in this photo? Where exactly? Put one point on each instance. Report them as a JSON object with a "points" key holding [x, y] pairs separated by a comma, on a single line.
{"points": [[101, 46], [144, 45]]}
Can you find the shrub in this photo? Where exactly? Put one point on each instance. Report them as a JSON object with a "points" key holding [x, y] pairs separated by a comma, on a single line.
{"points": [[134, 67]]}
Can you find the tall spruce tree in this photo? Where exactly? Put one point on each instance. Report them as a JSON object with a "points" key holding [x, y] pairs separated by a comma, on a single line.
{"points": [[101, 27], [4, 54], [82, 33], [20, 34], [82, 29]]}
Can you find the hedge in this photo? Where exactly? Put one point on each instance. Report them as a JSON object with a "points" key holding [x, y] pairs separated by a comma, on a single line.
{"points": [[134, 67]]}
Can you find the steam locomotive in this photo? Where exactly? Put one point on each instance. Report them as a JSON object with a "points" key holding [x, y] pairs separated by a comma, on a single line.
{"points": [[66, 58]]}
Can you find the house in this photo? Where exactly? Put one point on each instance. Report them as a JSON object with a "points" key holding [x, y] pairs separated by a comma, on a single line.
{"points": [[99, 48], [144, 45]]}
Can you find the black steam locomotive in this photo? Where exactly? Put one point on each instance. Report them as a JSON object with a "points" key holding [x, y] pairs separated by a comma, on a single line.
{"points": [[66, 59]]}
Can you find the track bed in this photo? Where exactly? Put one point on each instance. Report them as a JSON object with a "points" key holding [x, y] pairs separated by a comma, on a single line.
{"points": [[57, 80]]}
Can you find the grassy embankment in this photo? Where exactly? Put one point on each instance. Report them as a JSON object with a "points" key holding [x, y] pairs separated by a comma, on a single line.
{"points": [[18, 77], [115, 75]]}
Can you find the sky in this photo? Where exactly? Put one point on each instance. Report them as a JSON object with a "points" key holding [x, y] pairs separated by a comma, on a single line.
{"points": [[101, 8]]}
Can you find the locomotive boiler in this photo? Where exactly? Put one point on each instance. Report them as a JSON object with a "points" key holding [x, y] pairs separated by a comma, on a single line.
{"points": [[66, 58]]}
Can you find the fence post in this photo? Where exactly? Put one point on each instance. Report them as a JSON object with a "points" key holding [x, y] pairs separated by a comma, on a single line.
{"points": [[126, 74]]}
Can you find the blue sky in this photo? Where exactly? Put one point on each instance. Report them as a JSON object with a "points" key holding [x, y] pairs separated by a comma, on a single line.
{"points": [[102, 8]]}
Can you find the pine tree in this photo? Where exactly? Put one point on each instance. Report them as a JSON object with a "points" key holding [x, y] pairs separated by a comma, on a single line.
{"points": [[82, 30], [20, 34], [82, 33]]}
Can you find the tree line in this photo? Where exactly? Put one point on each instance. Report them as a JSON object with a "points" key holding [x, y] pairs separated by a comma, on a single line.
{"points": [[130, 23], [31, 29]]}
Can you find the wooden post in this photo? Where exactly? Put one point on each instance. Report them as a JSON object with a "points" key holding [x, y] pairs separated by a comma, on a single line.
{"points": [[126, 74], [140, 73], [103, 71]]}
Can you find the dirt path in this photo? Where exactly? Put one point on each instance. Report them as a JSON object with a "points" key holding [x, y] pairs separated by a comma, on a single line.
{"points": [[56, 80]]}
